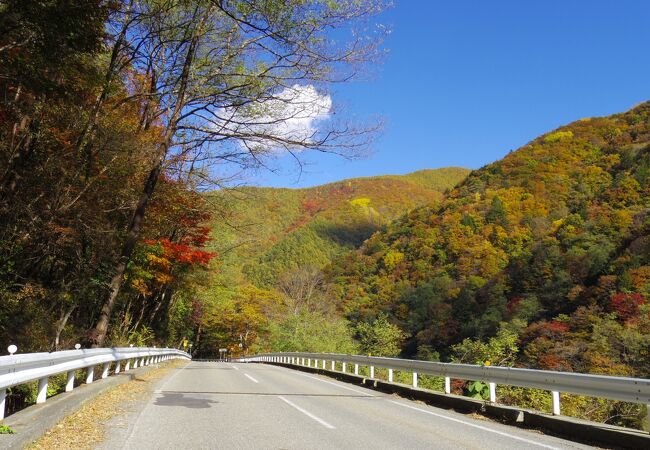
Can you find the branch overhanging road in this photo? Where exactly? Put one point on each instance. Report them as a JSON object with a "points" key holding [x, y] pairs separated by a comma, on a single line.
{"points": [[254, 406]]}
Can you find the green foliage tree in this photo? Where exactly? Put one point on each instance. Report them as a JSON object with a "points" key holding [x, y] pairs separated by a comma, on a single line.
{"points": [[499, 350], [312, 332], [380, 337]]}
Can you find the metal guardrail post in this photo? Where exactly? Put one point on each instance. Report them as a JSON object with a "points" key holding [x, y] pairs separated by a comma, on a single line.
{"points": [[372, 372], [42, 390], [90, 373], [69, 385], [3, 397], [556, 403], [105, 370], [493, 392]]}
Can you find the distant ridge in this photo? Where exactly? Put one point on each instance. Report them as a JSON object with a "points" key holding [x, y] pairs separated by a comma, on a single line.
{"points": [[281, 228]]}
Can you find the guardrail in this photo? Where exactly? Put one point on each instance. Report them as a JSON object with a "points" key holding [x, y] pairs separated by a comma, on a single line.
{"points": [[27, 367], [634, 390]]}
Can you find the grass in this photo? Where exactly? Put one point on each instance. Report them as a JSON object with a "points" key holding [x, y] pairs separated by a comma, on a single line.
{"points": [[6, 429]]}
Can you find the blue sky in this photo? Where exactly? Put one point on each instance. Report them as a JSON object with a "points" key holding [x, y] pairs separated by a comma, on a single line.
{"points": [[465, 82]]}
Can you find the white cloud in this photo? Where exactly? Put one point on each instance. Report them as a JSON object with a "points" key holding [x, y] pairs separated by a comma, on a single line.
{"points": [[291, 115]]}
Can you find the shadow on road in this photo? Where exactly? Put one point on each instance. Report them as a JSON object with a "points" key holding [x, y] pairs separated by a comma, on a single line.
{"points": [[178, 399]]}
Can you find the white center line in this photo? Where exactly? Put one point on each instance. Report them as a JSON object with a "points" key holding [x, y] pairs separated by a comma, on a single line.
{"points": [[307, 413], [528, 441], [234, 367], [251, 378]]}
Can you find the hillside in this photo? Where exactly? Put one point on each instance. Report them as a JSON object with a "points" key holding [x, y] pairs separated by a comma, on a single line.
{"points": [[266, 289], [267, 231], [541, 259]]}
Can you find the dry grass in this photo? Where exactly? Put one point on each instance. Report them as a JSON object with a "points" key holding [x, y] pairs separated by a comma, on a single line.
{"points": [[85, 428]]}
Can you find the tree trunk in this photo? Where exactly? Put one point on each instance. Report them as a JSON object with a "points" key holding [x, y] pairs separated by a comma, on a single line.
{"points": [[160, 299], [60, 326], [197, 342], [142, 310], [84, 139], [98, 334], [19, 160]]}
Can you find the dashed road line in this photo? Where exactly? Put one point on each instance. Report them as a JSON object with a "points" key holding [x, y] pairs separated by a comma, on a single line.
{"points": [[333, 384], [251, 378], [307, 413]]}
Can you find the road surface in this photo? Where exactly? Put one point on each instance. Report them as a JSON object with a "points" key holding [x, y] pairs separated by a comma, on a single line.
{"points": [[209, 405]]}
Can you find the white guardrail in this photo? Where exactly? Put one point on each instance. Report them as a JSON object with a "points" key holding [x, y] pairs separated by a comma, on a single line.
{"points": [[27, 367], [634, 390]]}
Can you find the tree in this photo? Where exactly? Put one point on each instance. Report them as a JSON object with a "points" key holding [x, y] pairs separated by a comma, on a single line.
{"points": [[380, 338], [499, 350], [58, 216], [222, 82], [301, 288], [312, 332], [497, 212]]}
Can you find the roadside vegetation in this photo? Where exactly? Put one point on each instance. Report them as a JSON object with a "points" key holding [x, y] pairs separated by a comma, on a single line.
{"points": [[124, 126]]}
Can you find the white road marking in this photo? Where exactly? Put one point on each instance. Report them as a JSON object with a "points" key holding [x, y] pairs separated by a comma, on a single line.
{"points": [[334, 384], [307, 413], [251, 378], [528, 441], [234, 367]]}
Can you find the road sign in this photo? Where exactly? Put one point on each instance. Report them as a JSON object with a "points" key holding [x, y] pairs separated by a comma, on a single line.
{"points": [[185, 343], [223, 350]]}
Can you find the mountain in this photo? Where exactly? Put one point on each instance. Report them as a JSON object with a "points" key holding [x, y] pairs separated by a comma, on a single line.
{"points": [[260, 233], [549, 246]]}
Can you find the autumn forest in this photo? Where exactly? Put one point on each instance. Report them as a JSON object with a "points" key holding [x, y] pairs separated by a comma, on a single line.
{"points": [[124, 126]]}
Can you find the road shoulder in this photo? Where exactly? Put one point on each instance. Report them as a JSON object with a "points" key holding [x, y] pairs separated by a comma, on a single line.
{"points": [[76, 419]]}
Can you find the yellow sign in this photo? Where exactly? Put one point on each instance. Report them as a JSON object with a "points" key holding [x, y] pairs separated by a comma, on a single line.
{"points": [[185, 343]]}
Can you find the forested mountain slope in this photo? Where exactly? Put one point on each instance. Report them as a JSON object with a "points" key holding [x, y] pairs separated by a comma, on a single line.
{"points": [[268, 231], [547, 249], [267, 289]]}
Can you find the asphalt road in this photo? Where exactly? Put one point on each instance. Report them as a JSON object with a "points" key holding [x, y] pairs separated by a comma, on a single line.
{"points": [[253, 406]]}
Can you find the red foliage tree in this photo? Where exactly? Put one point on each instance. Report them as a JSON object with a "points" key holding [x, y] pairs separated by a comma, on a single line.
{"points": [[626, 306]]}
